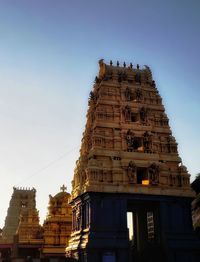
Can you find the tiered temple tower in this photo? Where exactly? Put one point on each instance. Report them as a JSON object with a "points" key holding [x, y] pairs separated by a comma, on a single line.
{"points": [[127, 140], [21, 235], [22, 201], [131, 193], [57, 226]]}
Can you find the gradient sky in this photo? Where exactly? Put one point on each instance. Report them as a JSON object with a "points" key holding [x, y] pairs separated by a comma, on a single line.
{"points": [[49, 52]]}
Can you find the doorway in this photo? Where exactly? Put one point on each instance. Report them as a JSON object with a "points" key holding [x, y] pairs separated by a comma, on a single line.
{"points": [[144, 231]]}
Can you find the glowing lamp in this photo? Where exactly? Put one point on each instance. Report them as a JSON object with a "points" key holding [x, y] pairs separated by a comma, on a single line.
{"points": [[145, 182]]}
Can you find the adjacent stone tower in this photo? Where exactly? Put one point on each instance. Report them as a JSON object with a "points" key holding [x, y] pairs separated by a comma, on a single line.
{"points": [[57, 226], [131, 193], [22, 203]]}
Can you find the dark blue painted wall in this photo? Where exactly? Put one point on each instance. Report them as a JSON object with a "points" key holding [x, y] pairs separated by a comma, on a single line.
{"points": [[108, 231]]}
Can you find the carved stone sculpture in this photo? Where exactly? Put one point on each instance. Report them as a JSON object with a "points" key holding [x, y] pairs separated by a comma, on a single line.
{"points": [[130, 140], [131, 172], [138, 94], [154, 173], [128, 94], [143, 114], [127, 113], [78, 218], [138, 78], [147, 142]]}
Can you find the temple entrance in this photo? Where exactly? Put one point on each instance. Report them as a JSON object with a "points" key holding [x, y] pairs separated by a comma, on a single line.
{"points": [[144, 235]]}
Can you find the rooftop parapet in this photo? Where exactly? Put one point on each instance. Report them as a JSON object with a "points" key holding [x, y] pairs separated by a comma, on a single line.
{"points": [[125, 71]]}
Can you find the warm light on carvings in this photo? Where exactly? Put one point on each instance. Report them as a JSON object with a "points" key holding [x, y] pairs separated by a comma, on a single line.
{"points": [[145, 182]]}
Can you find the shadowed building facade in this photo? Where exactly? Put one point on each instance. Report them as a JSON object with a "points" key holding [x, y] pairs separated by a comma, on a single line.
{"points": [[196, 205], [131, 194]]}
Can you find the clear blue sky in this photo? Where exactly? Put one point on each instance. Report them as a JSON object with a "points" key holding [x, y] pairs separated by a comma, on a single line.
{"points": [[49, 51]]}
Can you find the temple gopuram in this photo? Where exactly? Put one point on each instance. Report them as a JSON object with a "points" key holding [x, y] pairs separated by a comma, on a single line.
{"points": [[21, 231], [131, 196], [22, 201]]}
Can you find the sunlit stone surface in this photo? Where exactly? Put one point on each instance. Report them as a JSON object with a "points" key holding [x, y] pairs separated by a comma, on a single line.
{"points": [[129, 179]]}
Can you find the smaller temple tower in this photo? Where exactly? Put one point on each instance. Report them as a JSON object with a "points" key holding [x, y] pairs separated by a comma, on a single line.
{"points": [[21, 236], [57, 226], [22, 200]]}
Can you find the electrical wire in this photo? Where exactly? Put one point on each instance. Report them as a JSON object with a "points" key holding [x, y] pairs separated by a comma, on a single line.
{"points": [[48, 165]]}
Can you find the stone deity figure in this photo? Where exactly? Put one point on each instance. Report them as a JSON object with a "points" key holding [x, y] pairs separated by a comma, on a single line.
{"points": [[138, 94], [131, 172], [143, 114], [147, 142], [92, 96], [154, 173], [127, 113], [130, 140], [78, 218], [102, 68], [138, 78], [128, 94]]}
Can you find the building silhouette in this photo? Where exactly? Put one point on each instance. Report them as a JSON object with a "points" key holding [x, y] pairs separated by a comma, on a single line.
{"points": [[196, 205]]}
